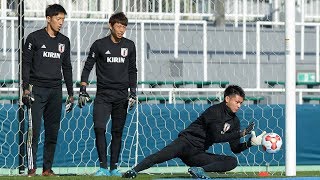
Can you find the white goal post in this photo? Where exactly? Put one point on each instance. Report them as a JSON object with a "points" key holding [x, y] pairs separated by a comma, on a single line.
{"points": [[184, 64]]}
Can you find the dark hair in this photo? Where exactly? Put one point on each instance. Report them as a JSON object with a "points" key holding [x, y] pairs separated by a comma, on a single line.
{"points": [[55, 9], [234, 90], [118, 18]]}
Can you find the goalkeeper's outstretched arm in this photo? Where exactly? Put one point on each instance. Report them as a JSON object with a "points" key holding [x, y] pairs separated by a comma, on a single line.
{"points": [[254, 140], [237, 147]]}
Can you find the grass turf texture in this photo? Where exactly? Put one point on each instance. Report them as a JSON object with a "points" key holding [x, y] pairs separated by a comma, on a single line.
{"points": [[170, 176]]}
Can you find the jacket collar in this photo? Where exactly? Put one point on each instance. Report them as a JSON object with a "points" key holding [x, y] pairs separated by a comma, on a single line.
{"points": [[227, 110]]}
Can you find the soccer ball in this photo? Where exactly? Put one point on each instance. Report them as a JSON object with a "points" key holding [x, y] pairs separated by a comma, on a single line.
{"points": [[271, 142]]}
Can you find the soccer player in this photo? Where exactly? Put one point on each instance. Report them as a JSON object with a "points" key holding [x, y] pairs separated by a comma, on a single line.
{"points": [[46, 52], [115, 59], [219, 123]]}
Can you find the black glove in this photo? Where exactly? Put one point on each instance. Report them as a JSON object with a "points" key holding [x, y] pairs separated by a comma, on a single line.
{"points": [[83, 97], [247, 130], [69, 104], [132, 98], [27, 97]]}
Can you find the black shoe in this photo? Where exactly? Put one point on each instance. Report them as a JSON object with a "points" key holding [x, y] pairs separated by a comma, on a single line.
{"points": [[130, 174], [31, 172], [198, 173], [48, 172]]}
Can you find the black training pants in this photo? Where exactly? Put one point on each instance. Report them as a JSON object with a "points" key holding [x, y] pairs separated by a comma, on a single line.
{"points": [[47, 104], [115, 103], [181, 148]]}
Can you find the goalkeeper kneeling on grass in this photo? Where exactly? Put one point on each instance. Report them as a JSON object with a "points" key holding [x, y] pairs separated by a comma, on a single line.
{"points": [[219, 123]]}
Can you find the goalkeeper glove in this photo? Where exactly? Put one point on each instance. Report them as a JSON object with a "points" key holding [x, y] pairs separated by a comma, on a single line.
{"points": [[69, 104], [27, 97], [132, 101], [257, 140], [83, 96], [132, 98], [247, 130]]}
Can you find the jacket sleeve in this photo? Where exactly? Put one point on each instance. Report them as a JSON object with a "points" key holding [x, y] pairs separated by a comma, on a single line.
{"points": [[235, 145], [67, 69], [91, 60], [132, 69], [27, 55]]}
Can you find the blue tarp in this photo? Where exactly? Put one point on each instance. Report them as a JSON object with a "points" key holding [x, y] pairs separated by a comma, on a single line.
{"points": [[158, 125]]}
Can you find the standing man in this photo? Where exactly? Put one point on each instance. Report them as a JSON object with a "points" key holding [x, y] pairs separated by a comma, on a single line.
{"points": [[45, 53], [219, 123], [115, 59]]}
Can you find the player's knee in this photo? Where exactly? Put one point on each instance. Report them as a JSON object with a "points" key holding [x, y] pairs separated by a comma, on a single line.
{"points": [[117, 132], [232, 163], [99, 131], [51, 141]]}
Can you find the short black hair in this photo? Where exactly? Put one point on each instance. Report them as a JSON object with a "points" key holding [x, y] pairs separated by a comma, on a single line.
{"points": [[234, 90], [55, 9], [119, 17]]}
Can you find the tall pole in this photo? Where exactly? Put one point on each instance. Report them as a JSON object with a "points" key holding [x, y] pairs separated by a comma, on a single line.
{"points": [[3, 10], [142, 53], [4, 21], [22, 153], [69, 18], [258, 50], [290, 130], [244, 31], [205, 51], [302, 30], [176, 28]]}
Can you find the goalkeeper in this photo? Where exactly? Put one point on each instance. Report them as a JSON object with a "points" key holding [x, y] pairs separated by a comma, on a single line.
{"points": [[216, 124], [115, 59], [46, 57]]}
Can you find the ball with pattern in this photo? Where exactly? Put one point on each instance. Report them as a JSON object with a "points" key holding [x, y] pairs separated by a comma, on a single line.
{"points": [[271, 142]]}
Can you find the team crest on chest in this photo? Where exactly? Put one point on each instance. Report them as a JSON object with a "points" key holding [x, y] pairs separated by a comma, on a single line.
{"points": [[61, 47], [124, 52], [226, 128]]}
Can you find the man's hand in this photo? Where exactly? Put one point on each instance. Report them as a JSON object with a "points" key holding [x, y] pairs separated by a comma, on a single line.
{"points": [[69, 104], [256, 140], [247, 130], [132, 101], [83, 96], [27, 98]]}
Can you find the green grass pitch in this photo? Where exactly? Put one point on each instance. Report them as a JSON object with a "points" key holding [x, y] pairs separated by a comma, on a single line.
{"points": [[167, 176]]}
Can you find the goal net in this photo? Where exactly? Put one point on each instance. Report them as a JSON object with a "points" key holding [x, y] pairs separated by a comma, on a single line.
{"points": [[187, 53]]}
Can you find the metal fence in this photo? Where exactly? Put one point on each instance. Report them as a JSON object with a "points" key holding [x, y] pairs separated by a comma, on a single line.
{"points": [[231, 10]]}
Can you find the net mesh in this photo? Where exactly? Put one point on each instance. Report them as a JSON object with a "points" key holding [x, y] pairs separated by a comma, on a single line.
{"points": [[183, 65]]}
